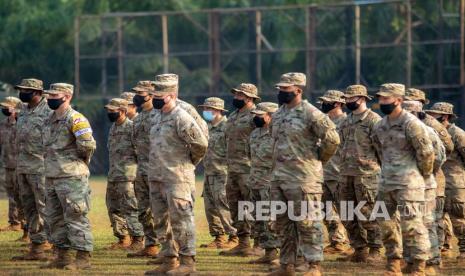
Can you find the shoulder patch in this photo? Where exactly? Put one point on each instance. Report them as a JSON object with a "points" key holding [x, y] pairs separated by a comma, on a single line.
{"points": [[80, 126]]}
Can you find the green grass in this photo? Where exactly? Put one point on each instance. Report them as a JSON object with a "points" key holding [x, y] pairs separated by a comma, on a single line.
{"points": [[208, 261]]}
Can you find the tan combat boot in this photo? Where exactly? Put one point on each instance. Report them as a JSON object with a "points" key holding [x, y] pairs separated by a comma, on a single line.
{"points": [[64, 257], [218, 243], [148, 251], [242, 249], [301, 265], [35, 254], [284, 270], [430, 270], [271, 254], [169, 263], [418, 268], [82, 261], [123, 243], [232, 242], [11, 228], [137, 244], [314, 269], [393, 268], [336, 248], [186, 267], [359, 256], [25, 237], [374, 256]]}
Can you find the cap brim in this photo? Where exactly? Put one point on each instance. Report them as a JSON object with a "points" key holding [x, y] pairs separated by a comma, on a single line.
{"points": [[407, 98], [109, 106], [323, 98], [365, 96], [440, 112], [234, 91], [384, 94], [283, 84], [6, 105], [27, 87], [258, 112], [135, 89], [214, 107]]}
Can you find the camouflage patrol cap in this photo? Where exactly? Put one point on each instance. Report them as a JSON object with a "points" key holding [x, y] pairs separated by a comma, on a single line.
{"points": [[165, 83], [442, 108], [117, 103], [128, 96], [11, 102], [60, 87], [292, 78], [332, 96], [356, 90], [413, 94], [144, 86], [247, 89], [415, 106], [214, 102], [33, 84], [391, 90], [265, 107]]}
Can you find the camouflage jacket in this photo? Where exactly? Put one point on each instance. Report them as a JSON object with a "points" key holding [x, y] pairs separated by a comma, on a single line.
{"points": [[215, 162], [69, 145], [441, 131], [439, 159], [194, 114], [8, 143], [141, 132], [261, 152], [331, 168], [358, 156], [454, 168], [406, 152], [122, 153], [178, 144], [29, 138], [238, 129], [304, 138]]}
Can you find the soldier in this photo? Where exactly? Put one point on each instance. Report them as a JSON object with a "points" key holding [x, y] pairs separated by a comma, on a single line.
{"points": [[238, 128], [131, 112], [120, 196], [215, 166], [30, 165], [407, 159], [177, 145], [360, 173], [454, 170], [331, 103], [142, 124], [69, 147], [11, 106], [304, 138]]}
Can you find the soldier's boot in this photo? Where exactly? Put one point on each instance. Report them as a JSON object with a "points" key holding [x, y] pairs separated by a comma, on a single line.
{"points": [[156, 261], [393, 268], [242, 249], [11, 228], [374, 256], [418, 268], [25, 237], [257, 250], [186, 267], [430, 270], [137, 244], [271, 254], [233, 241], [64, 257], [219, 242], [81, 262], [148, 251], [336, 248], [461, 256], [406, 267], [314, 269], [123, 243], [169, 263], [284, 270], [301, 265], [359, 256], [48, 247], [274, 265], [35, 254]]}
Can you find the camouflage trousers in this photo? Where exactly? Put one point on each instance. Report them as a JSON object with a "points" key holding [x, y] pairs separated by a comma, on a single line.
{"points": [[265, 231], [440, 220], [455, 207], [32, 190], [216, 206], [173, 213], [336, 230], [67, 206], [237, 190], [365, 233], [122, 209], [15, 209], [448, 233], [300, 237], [405, 228], [142, 190]]}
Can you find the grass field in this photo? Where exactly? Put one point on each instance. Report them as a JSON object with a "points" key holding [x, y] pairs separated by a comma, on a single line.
{"points": [[208, 262]]}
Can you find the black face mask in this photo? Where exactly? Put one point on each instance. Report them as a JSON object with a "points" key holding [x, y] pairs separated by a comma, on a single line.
{"points": [[54, 104], [327, 107], [113, 116], [387, 108], [26, 97], [352, 105], [421, 115], [139, 100], [259, 121], [158, 103], [6, 112], [441, 119], [238, 103], [285, 97]]}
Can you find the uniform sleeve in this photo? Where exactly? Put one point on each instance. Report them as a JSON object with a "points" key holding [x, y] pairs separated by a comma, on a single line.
{"points": [[442, 133], [81, 129], [190, 132], [376, 142], [373, 123], [322, 126], [460, 145], [418, 137], [439, 150]]}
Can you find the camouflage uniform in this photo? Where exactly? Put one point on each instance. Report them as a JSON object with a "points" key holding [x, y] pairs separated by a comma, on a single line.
{"points": [[128, 96], [216, 169], [360, 172], [69, 147], [120, 196], [407, 159], [304, 138], [336, 230], [9, 153], [30, 162]]}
